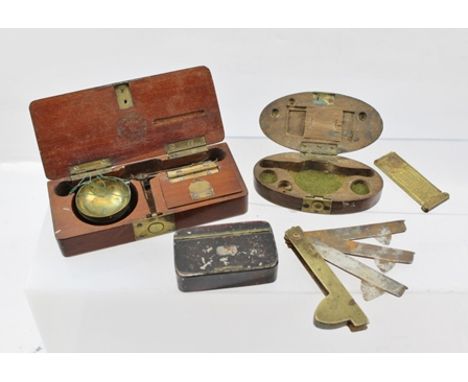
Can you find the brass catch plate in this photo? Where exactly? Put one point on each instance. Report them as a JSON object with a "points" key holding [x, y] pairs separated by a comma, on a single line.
{"points": [[124, 96], [411, 181], [153, 226], [201, 189], [317, 204]]}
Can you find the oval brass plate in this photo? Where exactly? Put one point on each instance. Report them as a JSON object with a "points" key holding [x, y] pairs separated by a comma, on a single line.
{"points": [[104, 199], [321, 123]]}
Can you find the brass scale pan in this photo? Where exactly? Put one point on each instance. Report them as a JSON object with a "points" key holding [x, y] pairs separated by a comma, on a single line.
{"points": [[104, 200]]}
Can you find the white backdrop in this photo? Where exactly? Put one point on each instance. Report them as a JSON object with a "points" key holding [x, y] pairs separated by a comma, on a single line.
{"points": [[416, 79]]}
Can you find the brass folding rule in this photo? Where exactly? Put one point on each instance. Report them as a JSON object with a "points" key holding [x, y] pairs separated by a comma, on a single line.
{"points": [[411, 181], [334, 246]]}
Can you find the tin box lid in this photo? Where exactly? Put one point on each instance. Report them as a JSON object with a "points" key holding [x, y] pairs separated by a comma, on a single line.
{"points": [[126, 122], [224, 248], [321, 123]]}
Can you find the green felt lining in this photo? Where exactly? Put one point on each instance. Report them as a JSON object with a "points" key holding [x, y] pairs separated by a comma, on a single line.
{"points": [[317, 182]]}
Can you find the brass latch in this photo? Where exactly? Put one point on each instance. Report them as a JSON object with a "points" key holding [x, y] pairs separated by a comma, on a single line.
{"points": [[323, 99], [124, 96], [317, 204], [93, 168], [153, 226], [187, 147]]}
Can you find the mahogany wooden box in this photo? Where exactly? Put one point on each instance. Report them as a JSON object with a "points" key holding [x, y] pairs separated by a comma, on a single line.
{"points": [[162, 135]]}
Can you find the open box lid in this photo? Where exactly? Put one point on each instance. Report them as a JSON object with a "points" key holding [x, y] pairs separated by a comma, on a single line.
{"points": [[126, 122], [321, 123]]}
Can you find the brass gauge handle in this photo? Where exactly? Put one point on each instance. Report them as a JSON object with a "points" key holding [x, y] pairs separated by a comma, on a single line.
{"points": [[338, 307]]}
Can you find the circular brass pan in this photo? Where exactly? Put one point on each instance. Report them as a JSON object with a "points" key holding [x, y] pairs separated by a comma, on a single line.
{"points": [[104, 200]]}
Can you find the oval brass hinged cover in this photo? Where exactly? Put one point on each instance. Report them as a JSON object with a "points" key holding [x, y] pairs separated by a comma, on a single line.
{"points": [[321, 123]]}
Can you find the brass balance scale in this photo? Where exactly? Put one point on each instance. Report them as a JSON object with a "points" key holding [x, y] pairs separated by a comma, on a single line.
{"points": [[106, 199], [103, 199]]}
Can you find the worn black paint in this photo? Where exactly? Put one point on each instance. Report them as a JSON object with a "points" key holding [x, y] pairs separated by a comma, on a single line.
{"points": [[226, 255]]}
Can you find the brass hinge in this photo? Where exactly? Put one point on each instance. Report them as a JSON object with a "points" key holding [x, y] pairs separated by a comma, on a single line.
{"points": [[187, 147], [192, 171], [317, 204], [318, 148], [93, 168]]}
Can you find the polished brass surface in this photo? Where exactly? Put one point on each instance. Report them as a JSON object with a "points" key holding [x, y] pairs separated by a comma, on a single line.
{"points": [[411, 181], [187, 147], [153, 226], [103, 199], [338, 307]]}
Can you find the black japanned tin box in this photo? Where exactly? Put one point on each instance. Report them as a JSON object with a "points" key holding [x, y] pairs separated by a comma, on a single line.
{"points": [[225, 255]]}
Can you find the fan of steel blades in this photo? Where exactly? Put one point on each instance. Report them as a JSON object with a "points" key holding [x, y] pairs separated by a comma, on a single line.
{"points": [[337, 247]]}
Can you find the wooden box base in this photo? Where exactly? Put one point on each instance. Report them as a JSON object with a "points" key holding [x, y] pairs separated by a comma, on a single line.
{"points": [[318, 184], [174, 204]]}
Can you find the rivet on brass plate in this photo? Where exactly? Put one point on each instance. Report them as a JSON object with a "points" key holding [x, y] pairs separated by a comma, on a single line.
{"points": [[201, 189], [124, 96], [153, 226]]}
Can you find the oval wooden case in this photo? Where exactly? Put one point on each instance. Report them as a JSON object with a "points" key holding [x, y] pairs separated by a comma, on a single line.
{"points": [[315, 179]]}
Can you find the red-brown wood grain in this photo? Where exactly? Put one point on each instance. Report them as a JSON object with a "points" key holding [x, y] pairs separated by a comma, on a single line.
{"points": [[87, 125]]}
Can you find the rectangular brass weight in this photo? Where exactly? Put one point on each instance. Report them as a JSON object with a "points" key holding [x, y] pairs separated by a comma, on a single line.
{"points": [[411, 181]]}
